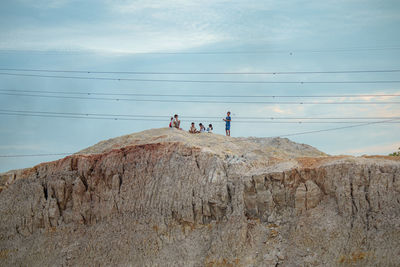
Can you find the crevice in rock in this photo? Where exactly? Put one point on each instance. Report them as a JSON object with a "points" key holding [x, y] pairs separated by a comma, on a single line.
{"points": [[297, 173], [84, 181], [306, 196], [354, 209], [116, 204], [93, 166], [228, 190], [193, 206], [44, 185], [197, 161], [60, 210], [123, 171], [120, 183], [84, 219], [74, 163], [366, 193]]}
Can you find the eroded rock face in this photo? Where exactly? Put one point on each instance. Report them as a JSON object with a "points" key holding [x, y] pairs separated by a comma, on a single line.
{"points": [[170, 204]]}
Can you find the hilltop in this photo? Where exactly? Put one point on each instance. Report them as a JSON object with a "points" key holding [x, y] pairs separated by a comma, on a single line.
{"points": [[164, 197], [212, 143]]}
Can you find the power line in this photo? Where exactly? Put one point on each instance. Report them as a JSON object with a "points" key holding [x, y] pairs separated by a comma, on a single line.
{"points": [[214, 102], [286, 135], [256, 52], [116, 118], [338, 128], [163, 117], [202, 73], [197, 81], [34, 155], [202, 95]]}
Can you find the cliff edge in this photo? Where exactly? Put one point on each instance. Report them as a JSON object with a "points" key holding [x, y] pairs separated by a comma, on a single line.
{"points": [[164, 197]]}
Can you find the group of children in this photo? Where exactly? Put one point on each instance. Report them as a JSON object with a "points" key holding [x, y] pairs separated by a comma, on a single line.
{"points": [[176, 123], [202, 128]]}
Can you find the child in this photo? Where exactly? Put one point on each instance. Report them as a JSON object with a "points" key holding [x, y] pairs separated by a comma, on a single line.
{"points": [[176, 123], [170, 123], [202, 128], [193, 129], [228, 123], [210, 128]]}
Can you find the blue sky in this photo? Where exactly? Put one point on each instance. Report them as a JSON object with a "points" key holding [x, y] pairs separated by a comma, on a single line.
{"points": [[106, 35]]}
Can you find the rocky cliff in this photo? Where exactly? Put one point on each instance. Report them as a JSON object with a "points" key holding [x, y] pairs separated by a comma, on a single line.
{"points": [[167, 198]]}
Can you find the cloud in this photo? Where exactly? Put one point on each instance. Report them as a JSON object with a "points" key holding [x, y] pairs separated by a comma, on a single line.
{"points": [[46, 4], [384, 149], [109, 39], [237, 21], [273, 110], [133, 6], [127, 27]]}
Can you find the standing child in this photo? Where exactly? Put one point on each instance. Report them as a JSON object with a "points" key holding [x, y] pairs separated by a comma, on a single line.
{"points": [[170, 123], [227, 121]]}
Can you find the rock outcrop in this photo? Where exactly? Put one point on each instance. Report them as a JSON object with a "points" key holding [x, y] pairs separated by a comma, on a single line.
{"points": [[167, 198]]}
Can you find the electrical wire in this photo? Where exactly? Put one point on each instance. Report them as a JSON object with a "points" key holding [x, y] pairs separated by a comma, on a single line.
{"points": [[203, 73], [120, 118], [285, 135], [197, 81], [214, 102], [338, 128], [232, 52], [202, 95], [163, 117], [34, 155]]}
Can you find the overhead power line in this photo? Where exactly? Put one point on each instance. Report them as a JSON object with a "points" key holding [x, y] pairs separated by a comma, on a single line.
{"points": [[226, 52], [202, 95], [196, 81], [117, 117], [163, 117], [215, 102], [338, 128], [203, 73], [34, 155], [285, 135]]}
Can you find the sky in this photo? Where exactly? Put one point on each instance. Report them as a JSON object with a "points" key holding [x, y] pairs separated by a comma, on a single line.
{"points": [[209, 36]]}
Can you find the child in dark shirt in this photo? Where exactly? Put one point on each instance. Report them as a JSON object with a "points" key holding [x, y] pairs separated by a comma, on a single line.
{"points": [[227, 121]]}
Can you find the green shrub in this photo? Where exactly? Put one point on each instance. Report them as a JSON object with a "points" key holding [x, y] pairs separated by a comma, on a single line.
{"points": [[396, 154]]}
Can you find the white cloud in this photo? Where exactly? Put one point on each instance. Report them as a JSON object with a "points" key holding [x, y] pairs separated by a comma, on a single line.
{"points": [[154, 26], [383, 149], [131, 27], [109, 39], [236, 21], [133, 6]]}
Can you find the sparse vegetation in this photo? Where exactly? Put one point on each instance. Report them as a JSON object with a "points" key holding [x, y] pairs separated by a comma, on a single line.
{"points": [[395, 154]]}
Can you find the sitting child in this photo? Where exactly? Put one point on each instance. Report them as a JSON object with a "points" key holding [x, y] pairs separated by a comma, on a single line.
{"points": [[176, 123], [193, 129], [210, 128], [202, 128]]}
